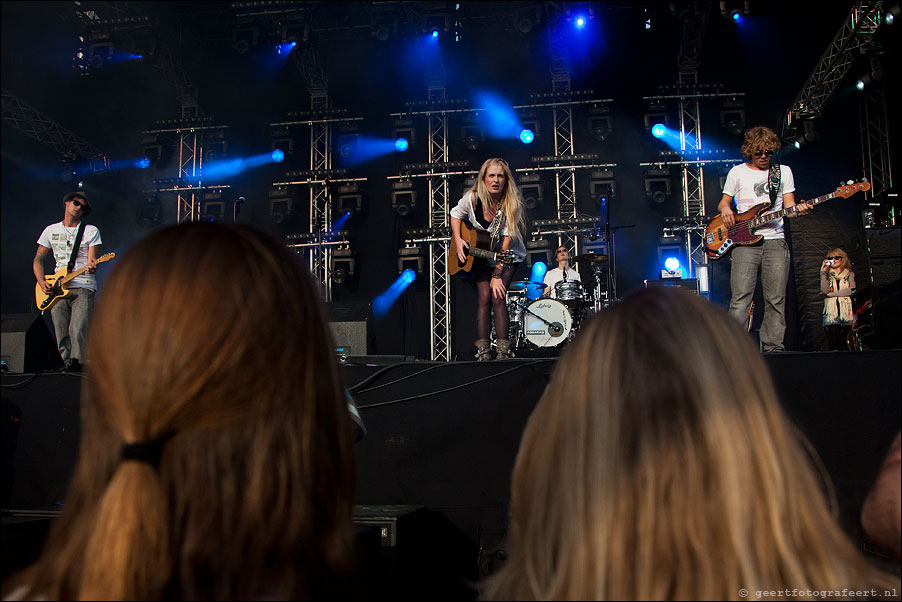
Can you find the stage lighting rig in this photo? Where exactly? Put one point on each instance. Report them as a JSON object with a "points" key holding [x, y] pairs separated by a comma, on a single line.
{"points": [[658, 187], [403, 197], [532, 190], [732, 115], [600, 121], [655, 112], [350, 200], [539, 250], [281, 205], [602, 187], [343, 264], [411, 257]]}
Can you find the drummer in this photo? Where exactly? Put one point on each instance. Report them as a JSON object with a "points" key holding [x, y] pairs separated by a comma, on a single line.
{"points": [[563, 271]]}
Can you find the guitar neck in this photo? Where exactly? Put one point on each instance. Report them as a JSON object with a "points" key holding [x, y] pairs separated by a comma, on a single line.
{"points": [[93, 264], [482, 253], [769, 217]]}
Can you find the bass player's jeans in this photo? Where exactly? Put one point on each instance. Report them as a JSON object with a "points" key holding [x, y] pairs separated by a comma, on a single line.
{"points": [[70, 322], [772, 257]]}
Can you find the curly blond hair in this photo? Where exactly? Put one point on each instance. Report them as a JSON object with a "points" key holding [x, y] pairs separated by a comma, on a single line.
{"points": [[759, 139]]}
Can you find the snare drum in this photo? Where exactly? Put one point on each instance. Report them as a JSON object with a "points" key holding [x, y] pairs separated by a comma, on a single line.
{"points": [[569, 292], [546, 323]]}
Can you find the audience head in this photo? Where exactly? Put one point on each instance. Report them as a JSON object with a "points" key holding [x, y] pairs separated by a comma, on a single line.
{"points": [[658, 465], [210, 355]]}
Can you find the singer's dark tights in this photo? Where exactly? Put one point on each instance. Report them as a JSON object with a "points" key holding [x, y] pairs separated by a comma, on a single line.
{"points": [[486, 304]]}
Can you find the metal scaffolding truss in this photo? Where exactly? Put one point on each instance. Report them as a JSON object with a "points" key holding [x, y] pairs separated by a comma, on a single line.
{"points": [[439, 282], [564, 180], [857, 31], [45, 130], [876, 158], [320, 200]]}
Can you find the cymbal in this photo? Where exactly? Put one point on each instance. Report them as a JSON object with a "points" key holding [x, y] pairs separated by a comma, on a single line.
{"points": [[590, 258], [522, 285]]}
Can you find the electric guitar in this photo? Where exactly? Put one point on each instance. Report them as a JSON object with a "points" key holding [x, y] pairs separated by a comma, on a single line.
{"points": [[479, 241], [720, 240], [60, 280]]}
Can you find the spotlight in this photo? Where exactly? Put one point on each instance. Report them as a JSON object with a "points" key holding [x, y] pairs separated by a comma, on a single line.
{"points": [[527, 17], [434, 33], [403, 128], [100, 53], [350, 200], [281, 205], [863, 82], [215, 144], [657, 185], [809, 133], [403, 197], [282, 140], [473, 135], [891, 14], [602, 187], [655, 114], [670, 250], [538, 251], [343, 265], [383, 25], [278, 155], [149, 212], [531, 190], [658, 130], [527, 136], [348, 145], [580, 22], [297, 31], [142, 163], [401, 145], [245, 37], [213, 211], [410, 258], [732, 116], [600, 122]]}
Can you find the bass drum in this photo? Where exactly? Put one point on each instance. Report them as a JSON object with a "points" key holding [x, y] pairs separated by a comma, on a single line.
{"points": [[546, 323]]}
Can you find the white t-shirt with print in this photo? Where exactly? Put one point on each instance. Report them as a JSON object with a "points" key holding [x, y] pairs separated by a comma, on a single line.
{"points": [[60, 240], [749, 187]]}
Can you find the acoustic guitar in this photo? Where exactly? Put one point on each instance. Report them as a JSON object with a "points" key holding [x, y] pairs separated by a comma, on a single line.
{"points": [[59, 281], [479, 241], [720, 240]]}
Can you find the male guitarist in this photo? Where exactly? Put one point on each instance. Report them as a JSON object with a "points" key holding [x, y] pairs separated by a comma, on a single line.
{"points": [[750, 183], [72, 312]]}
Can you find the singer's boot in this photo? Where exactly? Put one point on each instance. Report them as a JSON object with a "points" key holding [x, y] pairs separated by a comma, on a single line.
{"points": [[503, 349], [483, 350]]}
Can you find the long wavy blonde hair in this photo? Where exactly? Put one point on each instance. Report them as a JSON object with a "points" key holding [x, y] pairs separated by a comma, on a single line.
{"points": [[212, 340], [658, 465], [511, 205]]}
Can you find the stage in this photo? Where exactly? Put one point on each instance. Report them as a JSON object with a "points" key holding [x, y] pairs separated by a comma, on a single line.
{"points": [[433, 471]]}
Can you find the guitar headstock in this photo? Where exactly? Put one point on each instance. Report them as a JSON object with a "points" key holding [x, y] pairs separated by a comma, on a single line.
{"points": [[850, 188], [504, 256]]}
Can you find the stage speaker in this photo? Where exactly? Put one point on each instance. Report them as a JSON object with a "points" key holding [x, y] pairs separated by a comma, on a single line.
{"points": [[27, 345], [885, 255], [350, 324], [688, 284]]}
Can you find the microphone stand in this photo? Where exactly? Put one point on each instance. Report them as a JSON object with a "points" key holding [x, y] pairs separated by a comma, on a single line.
{"points": [[236, 208]]}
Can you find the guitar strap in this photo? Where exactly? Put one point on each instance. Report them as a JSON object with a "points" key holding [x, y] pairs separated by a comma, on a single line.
{"points": [[81, 230], [773, 182]]}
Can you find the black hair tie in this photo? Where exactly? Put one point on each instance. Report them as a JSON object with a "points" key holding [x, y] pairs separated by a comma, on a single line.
{"points": [[143, 451]]}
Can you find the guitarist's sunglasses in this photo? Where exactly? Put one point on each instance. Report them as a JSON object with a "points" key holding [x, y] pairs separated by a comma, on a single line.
{"points": [[767, 153], [77, 203]]}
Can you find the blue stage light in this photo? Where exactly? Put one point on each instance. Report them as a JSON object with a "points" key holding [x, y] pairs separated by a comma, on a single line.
{"points": [[527, 136], [142, 163], [384, 301], [278, 155], [401, 144], [658, 130], [434, 33], [580, 22], [672, 264]]}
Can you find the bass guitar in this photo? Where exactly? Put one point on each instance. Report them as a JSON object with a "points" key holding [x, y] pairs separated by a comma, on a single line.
{"points": [[479, 242], [720, 240], [59, 281]]}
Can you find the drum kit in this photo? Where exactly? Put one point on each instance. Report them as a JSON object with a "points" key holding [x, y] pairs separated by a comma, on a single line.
{"points": [[543, 322]]}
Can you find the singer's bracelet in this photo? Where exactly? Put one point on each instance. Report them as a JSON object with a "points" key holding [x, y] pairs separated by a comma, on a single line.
{"points": [[494, 275]]}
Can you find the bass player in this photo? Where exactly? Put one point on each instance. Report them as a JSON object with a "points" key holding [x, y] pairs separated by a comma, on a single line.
{"points": [[750, 183]]}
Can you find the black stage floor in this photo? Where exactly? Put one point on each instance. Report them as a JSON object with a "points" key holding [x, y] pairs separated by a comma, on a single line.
{"points": [[442, 437]]}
